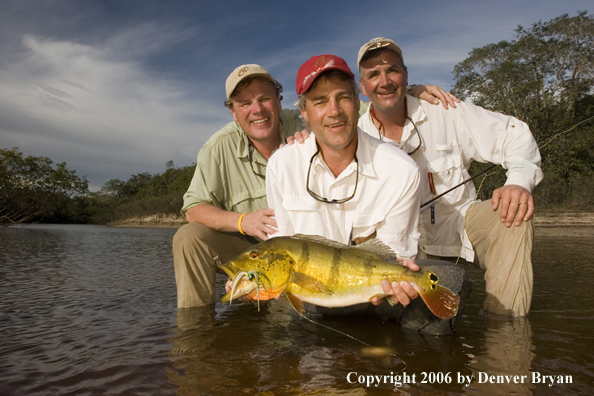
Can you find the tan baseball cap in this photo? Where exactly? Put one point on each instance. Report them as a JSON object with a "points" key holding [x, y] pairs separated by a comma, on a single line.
{"points": [[377, 43], [242, 72]]}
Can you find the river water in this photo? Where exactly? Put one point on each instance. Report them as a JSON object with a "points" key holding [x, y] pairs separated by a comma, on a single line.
{"points": [[91, 310]]}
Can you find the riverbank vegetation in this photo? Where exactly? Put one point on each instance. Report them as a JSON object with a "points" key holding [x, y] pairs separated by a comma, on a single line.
{"points": [[544, 77]]}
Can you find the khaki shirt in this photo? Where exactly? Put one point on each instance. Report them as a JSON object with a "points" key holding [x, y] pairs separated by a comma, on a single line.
{"points": [[224, 177]]}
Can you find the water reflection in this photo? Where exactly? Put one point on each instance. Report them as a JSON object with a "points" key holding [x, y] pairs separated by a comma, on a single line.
{"points": [[506, 355]]}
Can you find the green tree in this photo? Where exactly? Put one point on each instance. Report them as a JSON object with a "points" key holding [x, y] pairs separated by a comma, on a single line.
{"points": [[30, 187], [540, 77], [544, 77]]}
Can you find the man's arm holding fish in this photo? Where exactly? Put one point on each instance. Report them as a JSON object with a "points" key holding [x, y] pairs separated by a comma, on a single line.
{"points": [[258, 223], [403, 292], [207, 199]]}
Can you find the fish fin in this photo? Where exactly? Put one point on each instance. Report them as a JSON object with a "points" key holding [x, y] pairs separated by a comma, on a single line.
{"points": [[379, 248], [441, 301], [296, 303], [319, 239], [308, 282]]}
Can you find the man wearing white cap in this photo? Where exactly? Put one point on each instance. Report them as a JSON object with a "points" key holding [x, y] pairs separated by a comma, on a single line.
{"points": [[443, 144]]}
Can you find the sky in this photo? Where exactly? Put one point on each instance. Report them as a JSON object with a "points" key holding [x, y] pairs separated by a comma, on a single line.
{"points": [[120, 87]]}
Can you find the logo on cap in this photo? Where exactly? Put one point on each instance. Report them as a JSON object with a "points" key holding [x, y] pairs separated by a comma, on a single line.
{"points": [[321, 60], [243, 70], [378, 44]]}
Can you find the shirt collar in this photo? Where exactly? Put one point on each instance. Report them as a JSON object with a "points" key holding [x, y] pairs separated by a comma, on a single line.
{"points": [[243, 148], [243, 145], [415, 110], [364, 156]]}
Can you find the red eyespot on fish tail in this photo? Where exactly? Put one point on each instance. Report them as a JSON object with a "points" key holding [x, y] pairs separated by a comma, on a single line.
{"points": [[441, 301]]}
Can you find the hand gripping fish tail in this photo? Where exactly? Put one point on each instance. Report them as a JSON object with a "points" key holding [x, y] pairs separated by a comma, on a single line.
{"points": [[318, 271]]}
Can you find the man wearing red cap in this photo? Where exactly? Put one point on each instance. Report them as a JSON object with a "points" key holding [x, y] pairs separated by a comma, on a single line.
{"points": [[342, 184], [443, 144]]}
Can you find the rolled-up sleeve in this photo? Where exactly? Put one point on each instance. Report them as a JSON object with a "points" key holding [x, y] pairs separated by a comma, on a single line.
{"points": [[504, 140]]}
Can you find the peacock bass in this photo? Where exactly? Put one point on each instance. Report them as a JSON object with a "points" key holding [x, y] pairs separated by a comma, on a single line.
{"points": [[322, 272]]}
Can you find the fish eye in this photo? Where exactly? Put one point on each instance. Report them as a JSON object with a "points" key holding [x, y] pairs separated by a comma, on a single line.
{"points": [[254, 255]]}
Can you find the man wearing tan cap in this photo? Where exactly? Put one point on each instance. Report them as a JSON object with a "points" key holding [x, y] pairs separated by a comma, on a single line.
{"points": [[444, 144], [225, 204]]}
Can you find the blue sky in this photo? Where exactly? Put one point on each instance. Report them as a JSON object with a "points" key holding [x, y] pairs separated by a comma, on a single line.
{"points": [[120, 87]]}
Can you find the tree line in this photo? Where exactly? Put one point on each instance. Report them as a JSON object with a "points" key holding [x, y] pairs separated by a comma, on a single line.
{"points": [[544, 77], [33, 190]]}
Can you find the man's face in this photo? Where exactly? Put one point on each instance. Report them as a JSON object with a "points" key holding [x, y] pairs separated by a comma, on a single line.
{"points": [[332, 111], [384, 79], [257, 110]]}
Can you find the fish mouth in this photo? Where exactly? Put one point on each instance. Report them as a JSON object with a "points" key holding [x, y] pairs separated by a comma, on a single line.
{"points": [[239, 283]]}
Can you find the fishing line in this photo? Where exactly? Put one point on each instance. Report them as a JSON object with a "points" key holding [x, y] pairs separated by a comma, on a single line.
{"points": [[351, 337]]}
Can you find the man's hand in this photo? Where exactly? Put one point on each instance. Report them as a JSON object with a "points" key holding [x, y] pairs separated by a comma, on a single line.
{"points": [[259, 223], [402, 292], [433, 94], [515, 202], [299, 137]]}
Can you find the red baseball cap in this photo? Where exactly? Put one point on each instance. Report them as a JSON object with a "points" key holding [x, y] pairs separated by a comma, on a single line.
{"points": [[310, 70]]}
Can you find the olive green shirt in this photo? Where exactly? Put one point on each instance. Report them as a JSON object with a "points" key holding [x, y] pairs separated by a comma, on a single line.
{"points": [[224, 176]]}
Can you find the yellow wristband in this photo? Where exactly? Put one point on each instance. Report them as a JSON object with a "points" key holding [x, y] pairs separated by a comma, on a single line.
{"points": [[239, 224]]}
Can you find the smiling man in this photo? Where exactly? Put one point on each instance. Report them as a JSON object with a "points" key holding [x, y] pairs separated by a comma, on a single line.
{"points": [[498, 234], [225, 204], [341, 184]]}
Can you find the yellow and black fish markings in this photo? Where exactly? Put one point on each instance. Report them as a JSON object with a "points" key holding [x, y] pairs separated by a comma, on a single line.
{"points": [[325, 273]]}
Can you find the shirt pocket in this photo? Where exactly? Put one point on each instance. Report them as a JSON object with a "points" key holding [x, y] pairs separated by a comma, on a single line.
{"points": [[248, 200], [303, 215], [366, 223], [294, 204], [448, 172]]}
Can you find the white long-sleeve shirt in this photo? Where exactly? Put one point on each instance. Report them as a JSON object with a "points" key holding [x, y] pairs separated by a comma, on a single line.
{"points": [[386, 200], [451, 140]]}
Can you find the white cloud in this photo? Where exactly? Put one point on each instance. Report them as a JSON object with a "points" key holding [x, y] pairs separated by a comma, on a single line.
{"points": [[104, 115]]}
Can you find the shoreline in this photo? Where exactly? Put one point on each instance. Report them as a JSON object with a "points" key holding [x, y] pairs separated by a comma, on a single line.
{"points": [[581, 224]]}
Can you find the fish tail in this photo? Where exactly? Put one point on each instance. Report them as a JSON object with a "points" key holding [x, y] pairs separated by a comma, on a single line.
{"points": [[441, 301]]}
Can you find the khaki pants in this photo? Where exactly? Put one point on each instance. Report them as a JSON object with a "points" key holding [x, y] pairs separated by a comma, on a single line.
{"points": [[505, 254], [197, 250]]}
